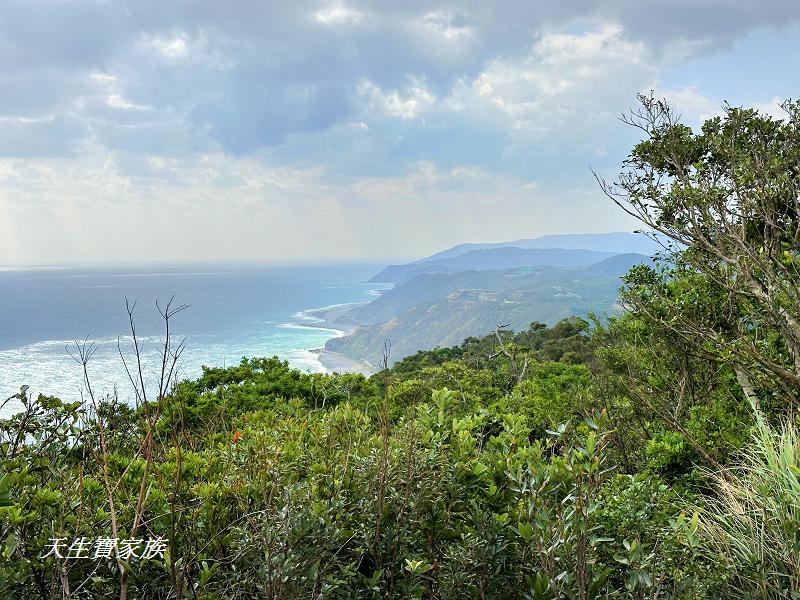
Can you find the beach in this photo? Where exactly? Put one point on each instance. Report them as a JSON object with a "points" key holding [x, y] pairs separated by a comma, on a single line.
{"points": [[339, 363], [334, 318]]}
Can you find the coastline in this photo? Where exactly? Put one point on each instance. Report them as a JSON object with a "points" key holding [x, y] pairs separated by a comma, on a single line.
{"points": [[333, 362], [331, 318]]}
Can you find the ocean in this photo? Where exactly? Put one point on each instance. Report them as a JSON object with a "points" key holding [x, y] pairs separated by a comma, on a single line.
{"points": [[235, 310]]}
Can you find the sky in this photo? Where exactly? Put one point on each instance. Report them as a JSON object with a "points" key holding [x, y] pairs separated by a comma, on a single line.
{"points": [[181, 130]]}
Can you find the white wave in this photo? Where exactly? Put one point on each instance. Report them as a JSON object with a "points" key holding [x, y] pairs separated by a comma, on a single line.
{"points": [[297, 326], [46, 345], [306, 314], [306, 360], [47, 368], [309, 328]]}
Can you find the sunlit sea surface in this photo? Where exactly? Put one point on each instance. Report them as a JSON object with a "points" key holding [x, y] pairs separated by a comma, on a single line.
{"points": [[234, 311]]}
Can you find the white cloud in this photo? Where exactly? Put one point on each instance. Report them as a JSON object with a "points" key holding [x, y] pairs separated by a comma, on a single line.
{"points": [[689, 103], [565, 92], [449, 25], [118, 101], [103, 78], [337, 13], [169, 47], [26, 120], [199, 48], [771, 108], [413, 102], [565, 76]]}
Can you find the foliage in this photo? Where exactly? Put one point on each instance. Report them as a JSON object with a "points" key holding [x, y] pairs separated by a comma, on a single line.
{"points": [[726, 199], [754, 520], [483, 493]]}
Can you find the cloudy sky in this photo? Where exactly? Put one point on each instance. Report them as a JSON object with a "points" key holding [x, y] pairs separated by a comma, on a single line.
{"points": [[251, 129]]}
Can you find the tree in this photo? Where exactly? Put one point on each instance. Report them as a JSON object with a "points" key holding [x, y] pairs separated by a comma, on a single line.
{"points": [[725, 203]]}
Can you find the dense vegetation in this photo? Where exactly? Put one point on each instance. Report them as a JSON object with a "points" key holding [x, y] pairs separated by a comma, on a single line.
{"points": [[650, 455]]}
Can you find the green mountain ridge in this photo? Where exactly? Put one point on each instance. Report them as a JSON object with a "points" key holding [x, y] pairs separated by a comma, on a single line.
{"points": [[443, 309]]}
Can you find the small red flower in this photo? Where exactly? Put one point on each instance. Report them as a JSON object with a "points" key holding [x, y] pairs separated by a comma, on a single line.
{"points": [[237, 435]]}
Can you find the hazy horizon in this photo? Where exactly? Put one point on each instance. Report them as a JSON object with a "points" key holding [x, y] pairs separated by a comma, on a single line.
{"points": [[377, 261]]}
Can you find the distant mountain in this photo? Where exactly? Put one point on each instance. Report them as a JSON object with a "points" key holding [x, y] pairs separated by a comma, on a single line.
{"points": [[617, 242], [442, 309], [574, 250], [485, 259], [619, 264]]}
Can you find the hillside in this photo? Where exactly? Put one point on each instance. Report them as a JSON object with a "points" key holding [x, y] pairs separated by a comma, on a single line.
{"points": [[443, 309], [618, 265]]}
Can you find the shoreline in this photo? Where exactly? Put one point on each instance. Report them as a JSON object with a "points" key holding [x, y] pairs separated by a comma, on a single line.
{"points": [[330, 318], [334, 362]]}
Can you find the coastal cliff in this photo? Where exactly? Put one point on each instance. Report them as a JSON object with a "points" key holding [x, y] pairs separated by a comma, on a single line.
{"points": [[443, 309]]}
